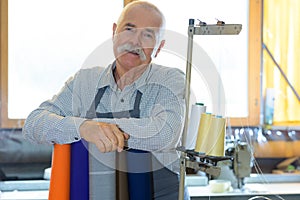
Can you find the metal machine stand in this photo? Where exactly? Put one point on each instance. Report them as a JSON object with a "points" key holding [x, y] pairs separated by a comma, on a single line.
{"points": [[188, 158]]}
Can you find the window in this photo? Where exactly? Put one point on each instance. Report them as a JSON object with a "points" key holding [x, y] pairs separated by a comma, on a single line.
{"points": [[229, 54], [281, 39], [76, 31], [47, 43]]}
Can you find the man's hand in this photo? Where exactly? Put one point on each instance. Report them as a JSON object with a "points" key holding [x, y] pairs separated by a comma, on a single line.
{"points": [[107, 137]]}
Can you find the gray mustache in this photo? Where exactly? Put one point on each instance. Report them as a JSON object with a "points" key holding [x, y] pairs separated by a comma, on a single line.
{"points": [[134, 49]]}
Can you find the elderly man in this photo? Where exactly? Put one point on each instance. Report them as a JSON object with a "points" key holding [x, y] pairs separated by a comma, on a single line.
{"points": [[132, 102]]}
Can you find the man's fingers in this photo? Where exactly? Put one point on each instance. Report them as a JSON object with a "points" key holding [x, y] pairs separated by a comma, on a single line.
{"points": [[126, 136], [111, 137], [100, 145], [107, 137], [121, 136]]}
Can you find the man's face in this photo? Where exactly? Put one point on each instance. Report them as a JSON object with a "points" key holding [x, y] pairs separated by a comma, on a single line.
{"points": [[135, 37]]}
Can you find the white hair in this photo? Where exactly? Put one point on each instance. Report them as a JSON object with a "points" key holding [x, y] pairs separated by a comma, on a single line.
{"points": [[149, 6]]}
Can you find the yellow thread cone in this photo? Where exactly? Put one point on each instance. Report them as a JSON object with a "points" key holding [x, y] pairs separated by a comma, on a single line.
{"points": [[217, 135], [203, 132]]}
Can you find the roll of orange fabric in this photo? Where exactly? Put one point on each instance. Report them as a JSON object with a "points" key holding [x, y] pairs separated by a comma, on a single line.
{"points": [[60, 173]]}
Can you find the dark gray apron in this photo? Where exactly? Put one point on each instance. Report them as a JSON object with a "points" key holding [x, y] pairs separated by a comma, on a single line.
{"points": [[139, 182]]}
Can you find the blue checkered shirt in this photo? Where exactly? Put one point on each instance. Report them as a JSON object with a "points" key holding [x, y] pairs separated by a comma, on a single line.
{"points": [[162, 108]]}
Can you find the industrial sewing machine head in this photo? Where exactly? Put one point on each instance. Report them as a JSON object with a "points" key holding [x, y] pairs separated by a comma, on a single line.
{"points": [[234, 166], [241, 162]]}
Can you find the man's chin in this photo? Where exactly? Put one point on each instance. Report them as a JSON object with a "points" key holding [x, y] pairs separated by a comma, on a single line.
{"points": [[131, 60], [129, 63]]}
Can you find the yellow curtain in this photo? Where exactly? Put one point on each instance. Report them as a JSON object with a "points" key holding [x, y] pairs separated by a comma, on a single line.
{"points": [[281, 34]]}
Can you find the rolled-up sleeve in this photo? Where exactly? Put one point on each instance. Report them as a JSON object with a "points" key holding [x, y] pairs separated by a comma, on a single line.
{"points": [[53, 121]]}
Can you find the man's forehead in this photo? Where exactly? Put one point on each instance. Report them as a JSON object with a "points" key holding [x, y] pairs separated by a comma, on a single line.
{"points": [[136, 16]]}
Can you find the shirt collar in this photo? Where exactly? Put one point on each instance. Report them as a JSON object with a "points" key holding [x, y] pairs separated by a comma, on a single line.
{"points": [[143, 78], [107, 78]]}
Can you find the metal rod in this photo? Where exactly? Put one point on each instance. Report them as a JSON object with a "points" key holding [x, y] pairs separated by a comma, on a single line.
{"points": [[182, 176], [187, 103], [281, 71], [188, 80]]}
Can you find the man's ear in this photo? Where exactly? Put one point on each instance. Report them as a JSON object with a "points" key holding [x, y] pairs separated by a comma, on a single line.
{"points": [[114, 29], [161, 45]]}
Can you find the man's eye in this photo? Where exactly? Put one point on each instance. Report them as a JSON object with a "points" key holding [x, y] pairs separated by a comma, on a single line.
{"points": [[128, 28], [149, 35]]}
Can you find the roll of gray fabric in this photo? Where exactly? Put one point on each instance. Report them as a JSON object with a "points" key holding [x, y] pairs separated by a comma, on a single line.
{"points": [[102, 176]]}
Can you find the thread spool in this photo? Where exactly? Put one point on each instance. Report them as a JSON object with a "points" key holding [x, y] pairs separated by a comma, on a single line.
{"points": [[196, 111], [203, 132], [211, 135], [217, 134]]}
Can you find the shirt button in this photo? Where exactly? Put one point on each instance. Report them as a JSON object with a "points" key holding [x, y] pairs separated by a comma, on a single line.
{"points": [[76, 138], [122, 100]]}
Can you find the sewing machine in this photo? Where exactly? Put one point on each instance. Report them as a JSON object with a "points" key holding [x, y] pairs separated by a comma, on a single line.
{"points": [[241, 161], [236, 162], [195, 160]]}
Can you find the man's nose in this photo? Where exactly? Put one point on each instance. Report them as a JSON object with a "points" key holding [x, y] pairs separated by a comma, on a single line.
{"points": [[136, 38]]}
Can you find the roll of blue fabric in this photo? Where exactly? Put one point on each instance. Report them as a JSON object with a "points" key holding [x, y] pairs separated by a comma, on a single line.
{"points": [[79, 179], [140, 180]]}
